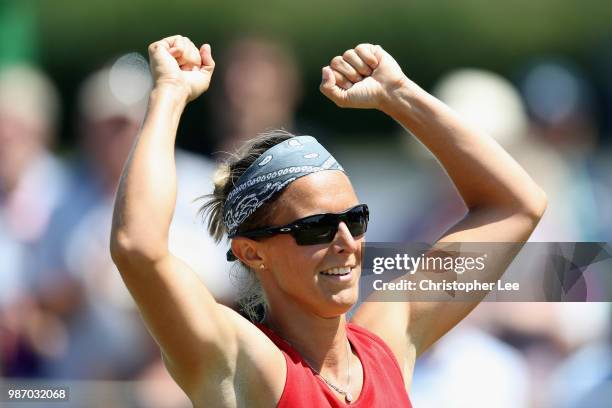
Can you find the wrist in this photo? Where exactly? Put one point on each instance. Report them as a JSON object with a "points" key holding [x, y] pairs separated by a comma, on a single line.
{"points": [[172, 92], [401, 96], [167, 101]]}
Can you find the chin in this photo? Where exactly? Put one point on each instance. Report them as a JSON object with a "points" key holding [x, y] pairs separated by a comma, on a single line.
{"points": [[340, 303]]}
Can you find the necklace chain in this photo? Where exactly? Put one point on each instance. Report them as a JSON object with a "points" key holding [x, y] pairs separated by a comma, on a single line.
{"points": [[345, 392]]}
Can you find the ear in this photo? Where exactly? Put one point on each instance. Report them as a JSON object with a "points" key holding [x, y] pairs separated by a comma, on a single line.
{"points": [[248, 251]]}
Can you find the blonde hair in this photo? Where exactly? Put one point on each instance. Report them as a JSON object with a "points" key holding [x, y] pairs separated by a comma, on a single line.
{"points": [[251, 297]]}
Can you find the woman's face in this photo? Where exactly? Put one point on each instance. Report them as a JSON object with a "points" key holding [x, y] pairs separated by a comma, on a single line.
{"points": [[293, 272]]}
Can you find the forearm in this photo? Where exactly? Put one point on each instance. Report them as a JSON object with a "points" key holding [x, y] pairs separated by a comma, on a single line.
{"points": [[147, 191], [485, 175]]}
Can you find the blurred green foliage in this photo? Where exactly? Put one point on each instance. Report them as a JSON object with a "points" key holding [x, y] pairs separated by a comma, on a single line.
{"points": [[17, 31], [428, 38]]}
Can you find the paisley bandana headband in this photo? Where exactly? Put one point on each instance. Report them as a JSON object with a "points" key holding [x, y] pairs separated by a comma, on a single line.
{"points": [[270, 173]]}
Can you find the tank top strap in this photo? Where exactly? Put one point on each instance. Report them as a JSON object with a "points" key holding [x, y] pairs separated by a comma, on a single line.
{"points": [[281, 343], [358, 331]]}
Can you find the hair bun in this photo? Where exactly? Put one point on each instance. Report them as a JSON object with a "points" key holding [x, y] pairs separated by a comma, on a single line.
{"points": [[221, 176]]}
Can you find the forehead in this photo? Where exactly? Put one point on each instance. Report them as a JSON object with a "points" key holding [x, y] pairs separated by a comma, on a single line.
{"points": [[322, 192]]}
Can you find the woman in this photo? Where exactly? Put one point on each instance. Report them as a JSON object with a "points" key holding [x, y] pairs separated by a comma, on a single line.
{"points": [[304, 353]]}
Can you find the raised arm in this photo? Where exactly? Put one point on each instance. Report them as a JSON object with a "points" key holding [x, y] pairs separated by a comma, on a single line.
{"points": [[146, 197], [504, 204], [200, 339]]}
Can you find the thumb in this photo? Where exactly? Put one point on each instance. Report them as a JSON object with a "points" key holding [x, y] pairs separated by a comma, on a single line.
{"points": [[207, 60], [328, 79], [329, 88]]}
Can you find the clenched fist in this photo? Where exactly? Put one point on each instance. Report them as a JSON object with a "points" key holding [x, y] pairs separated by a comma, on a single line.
{"points": [[363, 77], [177, 62]]}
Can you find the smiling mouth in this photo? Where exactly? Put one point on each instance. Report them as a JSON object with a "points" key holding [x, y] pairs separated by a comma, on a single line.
{"points": [[342, 271]]}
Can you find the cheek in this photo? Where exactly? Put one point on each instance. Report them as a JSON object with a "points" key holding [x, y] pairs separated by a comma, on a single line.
{"points": [[294, 262]]}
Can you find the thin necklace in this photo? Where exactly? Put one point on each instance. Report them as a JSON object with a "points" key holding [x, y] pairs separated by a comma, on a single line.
{"points": [[344, 392]]}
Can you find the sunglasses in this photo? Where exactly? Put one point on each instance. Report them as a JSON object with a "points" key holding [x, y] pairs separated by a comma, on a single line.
{"points": [[315, 229]]}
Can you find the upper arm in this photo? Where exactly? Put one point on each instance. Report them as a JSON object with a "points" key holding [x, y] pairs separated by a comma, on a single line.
{"points": [[428, 321], [202, 342], [178, 310]]}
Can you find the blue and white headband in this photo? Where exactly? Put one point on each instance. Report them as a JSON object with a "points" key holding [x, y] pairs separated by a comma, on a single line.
{"points": [[270, 173]]}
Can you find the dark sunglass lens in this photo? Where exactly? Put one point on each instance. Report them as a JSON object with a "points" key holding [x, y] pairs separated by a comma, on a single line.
{"points": [[357, 221], [315, 235], [315, 230], [357, 228]]}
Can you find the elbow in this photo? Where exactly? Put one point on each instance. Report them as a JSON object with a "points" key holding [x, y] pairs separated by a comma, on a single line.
{"points": [[127, 252], [532, 209], [120, 249], [529, 208], [537, 205]]}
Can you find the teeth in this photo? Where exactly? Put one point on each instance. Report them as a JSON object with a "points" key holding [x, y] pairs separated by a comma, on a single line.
{"points": [[337, 271]]}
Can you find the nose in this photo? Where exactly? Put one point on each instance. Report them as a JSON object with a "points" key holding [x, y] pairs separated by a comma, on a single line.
{"points": [[343, 241]]}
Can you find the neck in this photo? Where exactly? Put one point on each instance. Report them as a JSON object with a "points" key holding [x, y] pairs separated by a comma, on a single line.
{"points": [[320, 341]]}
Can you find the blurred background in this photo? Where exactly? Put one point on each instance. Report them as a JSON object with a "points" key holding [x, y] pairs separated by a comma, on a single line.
{"points": [[537, 76]]}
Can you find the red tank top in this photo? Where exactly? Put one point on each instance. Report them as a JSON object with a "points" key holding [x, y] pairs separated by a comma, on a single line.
{"points": [[383, 383]]}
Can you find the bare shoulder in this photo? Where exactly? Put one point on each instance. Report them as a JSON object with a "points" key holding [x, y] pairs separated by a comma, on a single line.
{"points": [[253, 376], [389, 321]]}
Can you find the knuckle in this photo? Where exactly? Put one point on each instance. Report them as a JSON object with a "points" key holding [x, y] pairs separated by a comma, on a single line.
{"points": [[171, 39], [347, 54], [336, 61]]}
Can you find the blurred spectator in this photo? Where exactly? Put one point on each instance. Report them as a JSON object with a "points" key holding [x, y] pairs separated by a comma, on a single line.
{"points": [[30, 177], [602, 192], [584, 379], [73, 274], [561, 105], [31, 182], [474, 369], [260, 89]]}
